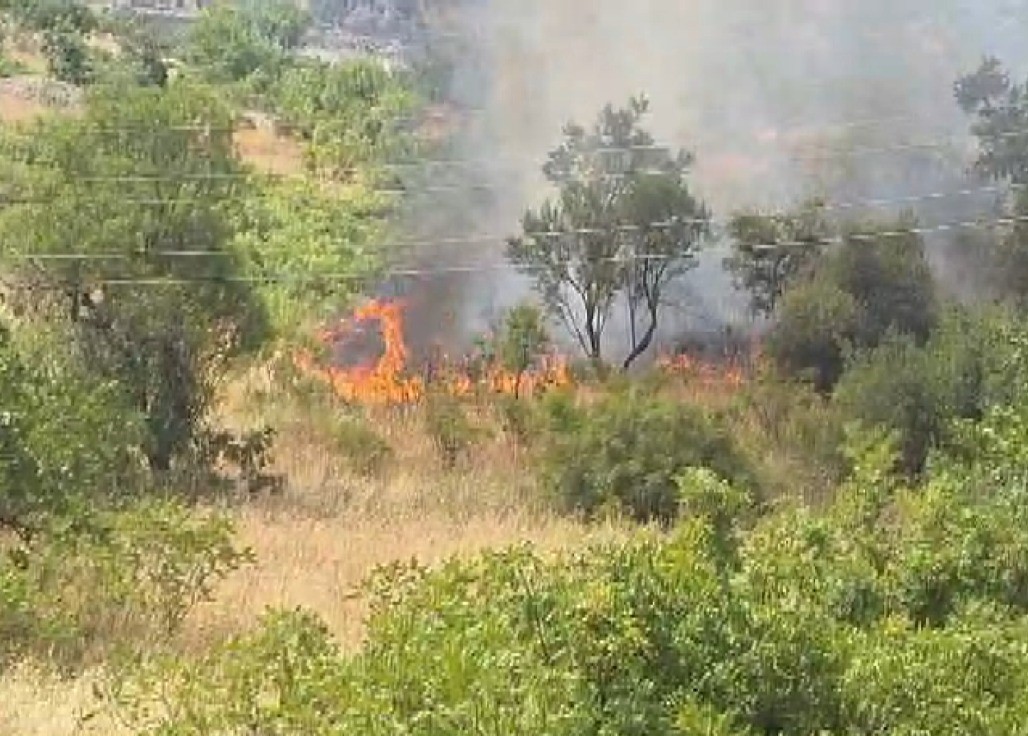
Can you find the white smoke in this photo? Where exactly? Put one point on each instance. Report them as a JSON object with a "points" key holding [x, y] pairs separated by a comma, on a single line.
{"points": [[778, 99]]}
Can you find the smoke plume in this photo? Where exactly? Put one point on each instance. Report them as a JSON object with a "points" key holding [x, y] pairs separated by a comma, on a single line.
{"points": [[778, 100]]}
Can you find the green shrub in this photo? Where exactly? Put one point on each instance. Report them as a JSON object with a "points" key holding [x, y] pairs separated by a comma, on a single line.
{"points": [[816, 321], [68, 57], [449, 428], [883, 267], [124, 577], [876, 283], [629, 449], [963, 680], [900, 387], [969, 365], [365, 450], [66, 437]]}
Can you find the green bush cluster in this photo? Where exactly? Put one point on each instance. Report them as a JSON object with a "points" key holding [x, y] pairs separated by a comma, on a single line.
{"points": [[967, 365], [90, 584], [895, 611], [628, 449], [876, 282]]}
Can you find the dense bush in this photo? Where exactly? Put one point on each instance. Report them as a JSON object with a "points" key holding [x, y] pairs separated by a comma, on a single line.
{"points": [[899, 386], [115, 577], [67, 438], [816, 320], [885, 269], [248, 41], [895, 611], [968, 365], [628, 449], [350, 114], [876, 283]]}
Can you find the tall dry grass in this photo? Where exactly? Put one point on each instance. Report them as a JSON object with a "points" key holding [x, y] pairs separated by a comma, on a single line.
{"points": [[328, 529], [331, 526]]}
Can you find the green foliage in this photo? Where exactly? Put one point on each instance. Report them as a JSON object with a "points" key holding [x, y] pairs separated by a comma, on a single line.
{"points": [[623, 224], [884, 268], [366, 451], [523, 338], [770, 251], [142, 53], [306, 265], [114, 578], [876, 283], [248, 41], [126, 189], [967, 366], [816, 321], [911, 681], [346, 113], [52, 15], [449, 428], [68, 57], [66, 437], [899, 386], [518, 343], [998, 106], [629, 449]]}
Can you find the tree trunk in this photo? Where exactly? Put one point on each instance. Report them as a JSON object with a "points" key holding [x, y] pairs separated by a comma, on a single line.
{"points": [[642, 345]]}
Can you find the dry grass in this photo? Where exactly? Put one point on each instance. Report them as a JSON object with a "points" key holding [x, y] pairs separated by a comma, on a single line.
{"points": [[318, 563], [269, 153], [36, 703], [16, 108], [26, 50], [318, 541], [331, 528]]}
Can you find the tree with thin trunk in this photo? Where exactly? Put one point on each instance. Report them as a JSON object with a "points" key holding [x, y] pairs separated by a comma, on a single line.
{"points": [[623, 225]]}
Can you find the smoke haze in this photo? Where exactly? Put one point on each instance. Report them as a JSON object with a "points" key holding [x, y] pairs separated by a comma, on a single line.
{"points": [[778, 99]]}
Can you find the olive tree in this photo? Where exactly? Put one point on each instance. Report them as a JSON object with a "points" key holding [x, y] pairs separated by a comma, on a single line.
{"points": [[623, 224]]}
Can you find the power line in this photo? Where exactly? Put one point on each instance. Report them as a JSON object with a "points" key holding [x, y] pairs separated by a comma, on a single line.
{"points": [[474, 162], [871, 236], [828, 206]]}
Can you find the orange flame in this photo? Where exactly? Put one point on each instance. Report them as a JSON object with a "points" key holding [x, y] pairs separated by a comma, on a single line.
{"points": [[388, 380]]}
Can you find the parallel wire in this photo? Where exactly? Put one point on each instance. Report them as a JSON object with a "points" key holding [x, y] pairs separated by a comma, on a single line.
{"points": [[826, 153], [478, 268], [828, 207]]}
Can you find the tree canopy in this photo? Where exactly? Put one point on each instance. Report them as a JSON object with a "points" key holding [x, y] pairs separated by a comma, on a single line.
{"points": [[624, 224]]}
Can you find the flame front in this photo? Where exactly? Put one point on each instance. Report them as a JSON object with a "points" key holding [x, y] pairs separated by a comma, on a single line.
{"points": [[389, 380]]}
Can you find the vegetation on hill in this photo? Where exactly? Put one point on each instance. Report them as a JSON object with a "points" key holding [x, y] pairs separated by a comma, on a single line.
{"points": [[827, 537]]}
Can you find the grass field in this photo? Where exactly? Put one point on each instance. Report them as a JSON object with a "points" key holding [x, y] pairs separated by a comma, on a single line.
{"points": [[317, 541]]}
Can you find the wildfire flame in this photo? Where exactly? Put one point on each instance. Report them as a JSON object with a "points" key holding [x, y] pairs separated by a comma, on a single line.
{"points": [[389, 380], [712, 375]]}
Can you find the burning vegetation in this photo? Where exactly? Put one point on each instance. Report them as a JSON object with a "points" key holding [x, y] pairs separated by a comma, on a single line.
{"points": [[391, 377]]}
